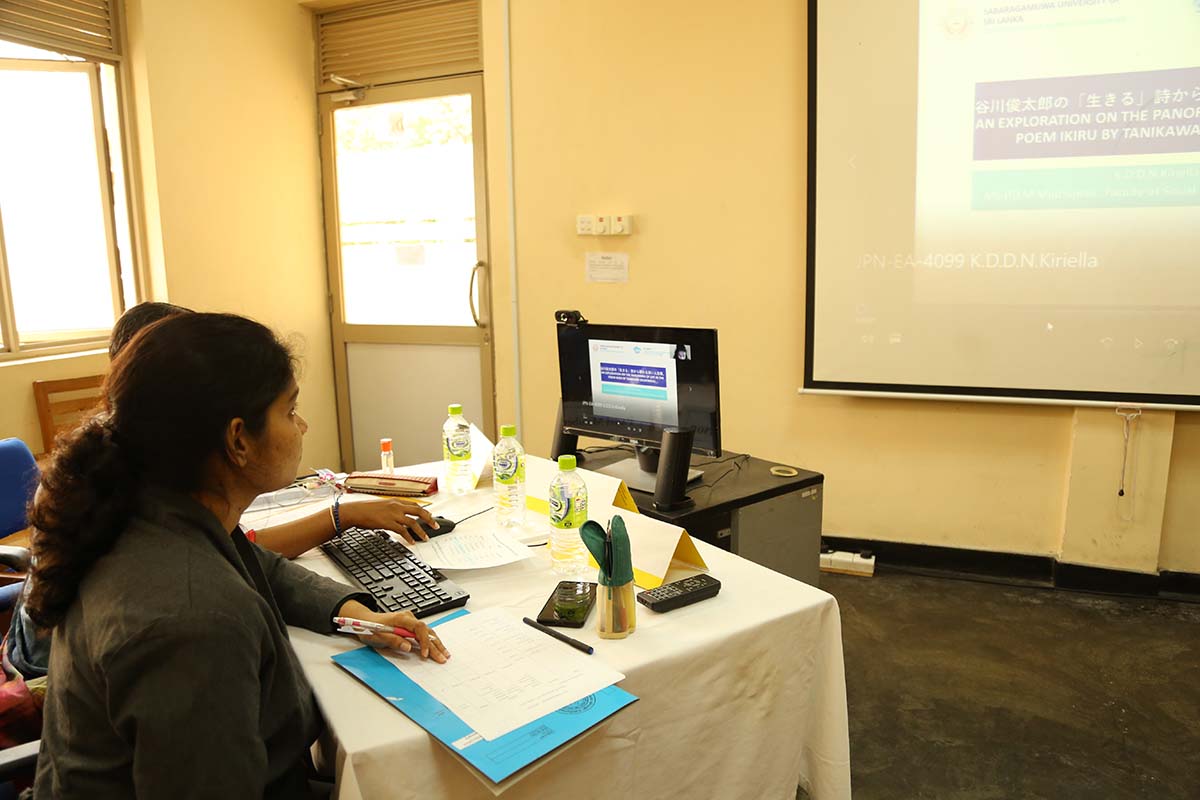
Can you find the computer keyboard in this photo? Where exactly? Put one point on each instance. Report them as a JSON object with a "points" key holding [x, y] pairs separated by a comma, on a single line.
{"points": [[398, 580]]}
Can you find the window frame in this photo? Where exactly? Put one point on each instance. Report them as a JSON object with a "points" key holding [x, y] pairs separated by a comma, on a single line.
{"points": [[13, 350]]}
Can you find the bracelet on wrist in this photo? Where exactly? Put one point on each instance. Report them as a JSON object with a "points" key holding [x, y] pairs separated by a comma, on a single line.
{"points": [[335, 516]]}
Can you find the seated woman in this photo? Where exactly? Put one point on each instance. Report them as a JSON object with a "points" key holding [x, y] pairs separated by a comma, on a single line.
{"points": [[28, 649], [171, 669]]}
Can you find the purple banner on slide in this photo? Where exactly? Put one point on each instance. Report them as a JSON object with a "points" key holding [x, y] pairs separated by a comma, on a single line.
{"points": [[633, 374], [1124, 113]]}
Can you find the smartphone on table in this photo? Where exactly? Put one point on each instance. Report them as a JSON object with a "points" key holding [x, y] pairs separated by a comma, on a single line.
{"points": [[569, 604]]}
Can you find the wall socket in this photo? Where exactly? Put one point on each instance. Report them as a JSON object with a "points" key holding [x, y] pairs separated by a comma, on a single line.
{"points": [[604, 224]]}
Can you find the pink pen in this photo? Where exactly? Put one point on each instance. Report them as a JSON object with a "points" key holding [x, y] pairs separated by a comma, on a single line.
{"points": [[364, 628]]}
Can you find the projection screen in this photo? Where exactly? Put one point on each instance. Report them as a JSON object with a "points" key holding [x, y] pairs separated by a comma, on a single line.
{"points": [[1004, 199]]}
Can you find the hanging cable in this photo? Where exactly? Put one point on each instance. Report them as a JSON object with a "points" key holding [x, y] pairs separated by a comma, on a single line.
{"points": [[1129, 415]]}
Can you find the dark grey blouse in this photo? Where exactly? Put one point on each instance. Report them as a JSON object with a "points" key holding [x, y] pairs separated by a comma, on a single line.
{"points": [[172, 675]]}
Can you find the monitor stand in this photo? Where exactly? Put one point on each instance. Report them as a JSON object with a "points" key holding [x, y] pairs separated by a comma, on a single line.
{"points": [[641, 473]]}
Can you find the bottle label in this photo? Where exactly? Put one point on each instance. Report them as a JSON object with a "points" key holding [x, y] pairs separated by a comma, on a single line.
{"points": [[509, 468], [457, 445], [567, 512]]}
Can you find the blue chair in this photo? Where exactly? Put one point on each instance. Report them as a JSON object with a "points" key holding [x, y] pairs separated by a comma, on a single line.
{"points": [[19, 476], [18, 480]]}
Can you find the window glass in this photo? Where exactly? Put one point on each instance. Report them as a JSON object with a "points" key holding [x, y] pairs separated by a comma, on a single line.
{"points": [[55, 225]]}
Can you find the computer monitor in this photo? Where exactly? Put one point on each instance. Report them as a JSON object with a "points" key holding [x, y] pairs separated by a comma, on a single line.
{"points": [[629, 383]]}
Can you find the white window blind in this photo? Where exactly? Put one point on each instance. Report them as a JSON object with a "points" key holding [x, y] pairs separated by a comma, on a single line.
{"points": [[399, 41], [85, 28]]}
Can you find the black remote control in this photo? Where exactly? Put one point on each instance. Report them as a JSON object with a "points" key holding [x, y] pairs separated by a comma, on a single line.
{"points": [[680, 593]]}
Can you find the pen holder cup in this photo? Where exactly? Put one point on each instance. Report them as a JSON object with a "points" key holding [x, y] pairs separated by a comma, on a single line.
{"points": [[618, 611]]}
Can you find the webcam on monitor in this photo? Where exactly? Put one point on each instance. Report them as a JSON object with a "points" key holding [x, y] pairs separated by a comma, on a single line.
{"points": [[569, 317]]}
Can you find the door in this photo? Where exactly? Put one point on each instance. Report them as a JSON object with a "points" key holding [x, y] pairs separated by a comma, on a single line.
{"points": [[406, 233]]}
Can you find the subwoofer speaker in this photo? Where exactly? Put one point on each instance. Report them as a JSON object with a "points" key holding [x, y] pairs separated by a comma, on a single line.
{"points": [[670, 484]]}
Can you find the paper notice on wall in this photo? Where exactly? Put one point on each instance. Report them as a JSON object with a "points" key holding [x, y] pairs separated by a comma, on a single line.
{"points": [[608, 267]]}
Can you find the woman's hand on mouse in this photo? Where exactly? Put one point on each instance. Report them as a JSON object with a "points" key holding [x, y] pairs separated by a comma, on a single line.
{"points": [[400, 516]]}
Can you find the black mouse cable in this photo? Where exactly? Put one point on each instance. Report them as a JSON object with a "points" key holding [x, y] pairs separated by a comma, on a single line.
{"points": [[476, 514]]}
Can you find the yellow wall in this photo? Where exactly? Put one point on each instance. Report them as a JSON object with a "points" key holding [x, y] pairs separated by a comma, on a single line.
{"points": [[695, 123], [18, 414], [226, 117], [1181, 518], [1102, 527], [229, 91]]}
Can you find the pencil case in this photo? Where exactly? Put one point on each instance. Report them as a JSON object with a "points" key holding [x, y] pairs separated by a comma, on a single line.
{"points": [[618, 605]]}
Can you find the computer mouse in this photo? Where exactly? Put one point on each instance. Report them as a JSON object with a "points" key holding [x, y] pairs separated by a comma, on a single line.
{"points": [[446, 526]]}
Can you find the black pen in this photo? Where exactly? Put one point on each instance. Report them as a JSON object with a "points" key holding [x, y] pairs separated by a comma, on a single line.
{"points": [[578, 645], [607, 566]]}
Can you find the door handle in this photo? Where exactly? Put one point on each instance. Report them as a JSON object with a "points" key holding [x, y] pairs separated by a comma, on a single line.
{"points": [[471, 294]]}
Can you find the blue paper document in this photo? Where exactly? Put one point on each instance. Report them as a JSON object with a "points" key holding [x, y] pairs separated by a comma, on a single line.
{"points": [[500, 757]]}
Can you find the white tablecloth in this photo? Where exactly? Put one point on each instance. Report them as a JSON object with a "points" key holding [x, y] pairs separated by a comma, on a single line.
{"points": [[741, 696]]}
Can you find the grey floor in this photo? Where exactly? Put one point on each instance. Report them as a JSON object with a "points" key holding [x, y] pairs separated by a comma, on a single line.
{"points": [[967, 690]]}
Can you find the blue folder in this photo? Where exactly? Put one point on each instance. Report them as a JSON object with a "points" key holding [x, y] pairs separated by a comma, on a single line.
{"points": [[500, 757]]}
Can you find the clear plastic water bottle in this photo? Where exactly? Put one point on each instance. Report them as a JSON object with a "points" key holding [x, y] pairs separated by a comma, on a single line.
{"points": [[508, 478], [568, 512], [456, 451]]}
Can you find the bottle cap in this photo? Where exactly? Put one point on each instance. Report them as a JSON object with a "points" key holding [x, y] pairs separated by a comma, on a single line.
{"points": [[385, 445], [566, 462], [455, 409], [508, 430]]}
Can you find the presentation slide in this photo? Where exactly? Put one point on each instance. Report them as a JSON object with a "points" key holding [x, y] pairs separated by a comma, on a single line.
{"points": [[634, 381], [1001, 141], [1008, 195]]}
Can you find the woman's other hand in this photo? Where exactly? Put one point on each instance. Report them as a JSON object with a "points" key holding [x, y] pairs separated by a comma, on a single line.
{"points": [[428, 645]]}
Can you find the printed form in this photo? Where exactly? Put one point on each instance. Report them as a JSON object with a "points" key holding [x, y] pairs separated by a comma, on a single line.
{"points": [[466, 549], [477, 542], [504, 674]]}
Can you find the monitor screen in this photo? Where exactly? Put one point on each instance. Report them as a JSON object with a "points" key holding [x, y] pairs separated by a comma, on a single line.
{"points": [[630, 382]]}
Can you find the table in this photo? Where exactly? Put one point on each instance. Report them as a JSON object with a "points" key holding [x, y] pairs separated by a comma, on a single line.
{"points": [[741, 696], [741, 507]]}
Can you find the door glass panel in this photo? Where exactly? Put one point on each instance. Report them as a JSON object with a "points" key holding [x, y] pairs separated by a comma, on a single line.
{"points": [[406, 211]]}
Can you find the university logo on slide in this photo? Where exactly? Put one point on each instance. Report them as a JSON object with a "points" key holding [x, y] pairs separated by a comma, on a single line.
{"points": [[957, 22]]}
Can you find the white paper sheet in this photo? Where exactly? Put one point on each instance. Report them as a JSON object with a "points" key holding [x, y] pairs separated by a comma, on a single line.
{"points": [[503, 674], [464, 506], [471, 549], [535, 531], [607, 267]]}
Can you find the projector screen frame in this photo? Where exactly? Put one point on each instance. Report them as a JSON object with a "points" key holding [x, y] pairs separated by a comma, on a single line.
{"points": [[996, 394]]}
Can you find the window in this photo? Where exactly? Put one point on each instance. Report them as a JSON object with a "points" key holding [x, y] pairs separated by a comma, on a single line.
{"points": [[66, 258]]}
